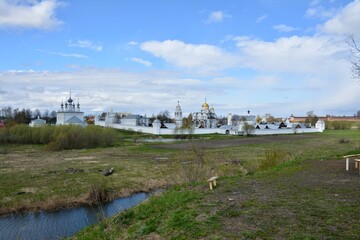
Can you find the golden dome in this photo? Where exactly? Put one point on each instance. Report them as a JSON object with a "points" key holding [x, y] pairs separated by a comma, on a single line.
{"points": [[205, 105]]}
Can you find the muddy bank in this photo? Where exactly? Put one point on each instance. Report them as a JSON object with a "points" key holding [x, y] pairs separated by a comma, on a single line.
{"points": [[57, 203]]}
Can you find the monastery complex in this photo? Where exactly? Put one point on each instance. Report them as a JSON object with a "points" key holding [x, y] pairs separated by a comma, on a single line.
{"points": [[204, 121]]}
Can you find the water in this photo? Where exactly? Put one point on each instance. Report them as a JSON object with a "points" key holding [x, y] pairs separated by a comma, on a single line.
{"points": [[63, 223], [160, 140]]}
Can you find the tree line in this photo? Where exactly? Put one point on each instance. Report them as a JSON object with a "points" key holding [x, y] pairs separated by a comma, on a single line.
{"points": [[14, 116]]}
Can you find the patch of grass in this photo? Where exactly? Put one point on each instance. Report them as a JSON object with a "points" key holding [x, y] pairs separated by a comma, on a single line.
{"points": [[274, 157], [171, 215]]}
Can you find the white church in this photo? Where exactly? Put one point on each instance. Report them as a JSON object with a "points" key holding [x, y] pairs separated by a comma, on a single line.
{"points": [[206, 118], [70, 114]]}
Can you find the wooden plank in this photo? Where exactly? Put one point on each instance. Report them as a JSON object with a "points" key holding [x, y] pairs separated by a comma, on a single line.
{"points": [[212, 179], [350, 156]]}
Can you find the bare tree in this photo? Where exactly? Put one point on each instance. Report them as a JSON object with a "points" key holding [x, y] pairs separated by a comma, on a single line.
{"points": [[249, 129], [354, 48], [311, 118], [36, 113]]}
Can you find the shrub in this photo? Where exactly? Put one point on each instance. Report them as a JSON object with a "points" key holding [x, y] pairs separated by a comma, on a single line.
{"points": [[248, 129], [97, 194], [273, 157], [59, 137], [338, 125], [344, 141]]}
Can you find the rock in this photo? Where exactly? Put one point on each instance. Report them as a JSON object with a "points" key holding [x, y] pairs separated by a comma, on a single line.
{"points": [[108, 172]]}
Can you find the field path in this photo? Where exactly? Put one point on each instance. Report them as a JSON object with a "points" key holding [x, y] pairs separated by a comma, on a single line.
{"points": [[216, 143]]}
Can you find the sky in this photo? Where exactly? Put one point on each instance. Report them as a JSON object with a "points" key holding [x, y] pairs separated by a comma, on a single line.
{"points": [[267, 56]]}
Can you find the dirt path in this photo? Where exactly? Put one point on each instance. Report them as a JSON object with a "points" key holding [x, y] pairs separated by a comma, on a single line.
{"points": [[316, 200], [236, 141]]}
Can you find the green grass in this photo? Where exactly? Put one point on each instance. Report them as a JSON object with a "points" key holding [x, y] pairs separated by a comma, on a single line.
{"points": [[171, 215]]}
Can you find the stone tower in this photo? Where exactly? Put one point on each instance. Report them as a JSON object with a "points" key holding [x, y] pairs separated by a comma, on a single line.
{"points": [[229, 119], [178, 116]]}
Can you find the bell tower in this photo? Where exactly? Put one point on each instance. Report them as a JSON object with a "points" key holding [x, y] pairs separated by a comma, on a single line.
{"points": [[178, 116]]}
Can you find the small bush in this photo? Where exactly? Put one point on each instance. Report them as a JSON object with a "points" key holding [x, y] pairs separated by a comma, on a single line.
{"points": [[97, 194], [344, 141], [273, 157]]}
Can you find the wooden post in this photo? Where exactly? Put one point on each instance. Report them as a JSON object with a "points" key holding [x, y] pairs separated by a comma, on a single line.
{"points": [[357, 164], [212, 181], [347, 164]]}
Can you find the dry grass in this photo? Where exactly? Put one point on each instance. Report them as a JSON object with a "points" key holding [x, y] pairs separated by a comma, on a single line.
{"points": [[32, 178]]}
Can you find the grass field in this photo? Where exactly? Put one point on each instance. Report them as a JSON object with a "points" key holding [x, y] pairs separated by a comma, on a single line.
{"points": [[310, 196], [33, 179]]}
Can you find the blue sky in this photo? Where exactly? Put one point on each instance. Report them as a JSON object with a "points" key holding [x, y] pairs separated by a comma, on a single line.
{"points": [[268, 56]]}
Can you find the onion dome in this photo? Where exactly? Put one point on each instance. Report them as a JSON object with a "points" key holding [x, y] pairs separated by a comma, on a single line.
{"points": [[205, 105]]}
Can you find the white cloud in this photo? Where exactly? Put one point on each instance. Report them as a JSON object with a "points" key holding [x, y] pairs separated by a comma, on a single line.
{"points": [[201, 57], [86, 44], [141, 61], [284, 28], [346, 21], [306, 64], [261, 18], [123, 91], [314, 2], [319, 12], [29, 14], [292, 54], [75, 55], [132, 43], [217, 16]]}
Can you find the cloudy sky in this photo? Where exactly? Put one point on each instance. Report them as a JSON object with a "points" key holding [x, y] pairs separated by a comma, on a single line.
{"points": [[269, 56]]}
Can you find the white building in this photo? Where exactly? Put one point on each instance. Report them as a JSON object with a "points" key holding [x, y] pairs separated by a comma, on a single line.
{"points": [[206, 118], [37, 122], [178, 116], [135, 120], [126, 119], [241, 119], [70, 114]]}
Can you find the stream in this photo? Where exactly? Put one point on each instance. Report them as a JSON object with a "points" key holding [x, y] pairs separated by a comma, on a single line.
{"points": [[62, 223]]}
